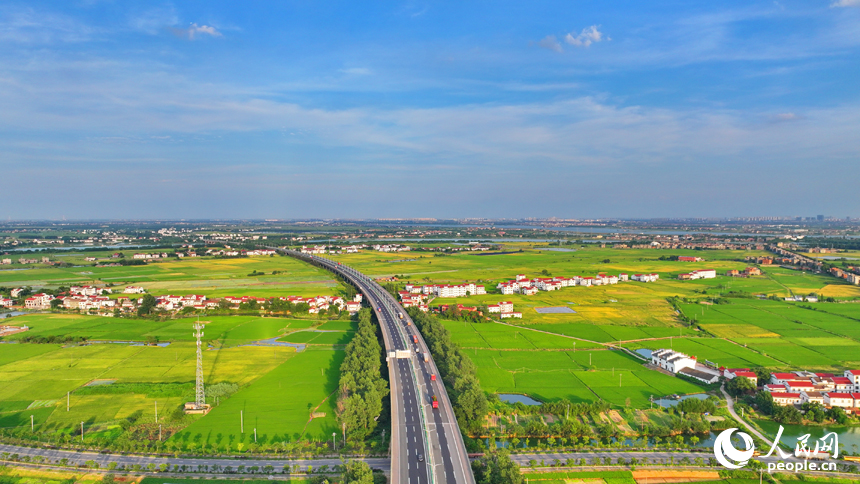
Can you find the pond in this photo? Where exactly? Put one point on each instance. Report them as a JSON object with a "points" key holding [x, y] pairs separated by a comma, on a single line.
{"points": [[644, 352], [849, 437], [10, 314], [671, 402], [517, 398], [557, 249]]}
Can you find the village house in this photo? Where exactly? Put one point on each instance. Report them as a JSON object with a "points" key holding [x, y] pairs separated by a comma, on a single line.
{"points": [[673, 361], [752, 271], [684, 258], [17, 291], [134, 290], [645, 277], [786, 398], [699, 274], [6, 303], [38, 301], [839, 399]]}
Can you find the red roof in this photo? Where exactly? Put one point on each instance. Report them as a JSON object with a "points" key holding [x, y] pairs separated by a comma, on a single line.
{"points": [[839, 395], [841, 380], [785, 395], [824, 375], [797, 384], [746, 374], [854, 372]]}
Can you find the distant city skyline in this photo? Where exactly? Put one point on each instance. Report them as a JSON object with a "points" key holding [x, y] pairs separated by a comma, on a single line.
{"points": [[204, 110]]}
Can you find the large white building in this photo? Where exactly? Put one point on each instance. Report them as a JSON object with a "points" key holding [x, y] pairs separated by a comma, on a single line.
{"points": [[672, 360]]}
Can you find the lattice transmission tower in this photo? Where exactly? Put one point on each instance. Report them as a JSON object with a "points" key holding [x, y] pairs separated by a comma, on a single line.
{"points": [[200, 394]]}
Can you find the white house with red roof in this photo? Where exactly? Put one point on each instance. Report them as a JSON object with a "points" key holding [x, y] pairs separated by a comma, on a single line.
{"points": [[494, 308], [799, 386], [6, 303], [38, 301], [133, 290], [529, 291], [854, 376], [786, 398], [781, 378], [773, 388], [839, 399]]}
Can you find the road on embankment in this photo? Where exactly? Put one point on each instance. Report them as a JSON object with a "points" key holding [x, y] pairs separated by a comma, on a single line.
{"points": [[426, 445]]}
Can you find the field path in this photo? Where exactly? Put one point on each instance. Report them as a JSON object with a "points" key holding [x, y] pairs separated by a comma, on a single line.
{"points": [[554, 334]]}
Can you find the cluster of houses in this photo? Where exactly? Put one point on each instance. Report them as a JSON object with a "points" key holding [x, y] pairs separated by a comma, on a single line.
{"points": [[391, 248], [698, 274], [447, 290], [795, 388], [24, 260], [749, 271], [812, 299], [852, 277], [86, 298], [162, 255], [315, 303], [523, 285], [685, 258], [324, 249], [505, 309]]}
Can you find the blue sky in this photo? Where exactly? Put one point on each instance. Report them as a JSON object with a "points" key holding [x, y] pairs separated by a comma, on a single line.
{"points": [[429, 109]]}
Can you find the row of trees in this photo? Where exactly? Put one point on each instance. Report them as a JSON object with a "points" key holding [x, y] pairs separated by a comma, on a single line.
{"points": [[459, 373], [361, 385]]}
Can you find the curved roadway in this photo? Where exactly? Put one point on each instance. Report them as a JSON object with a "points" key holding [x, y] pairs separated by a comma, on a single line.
{"points": [[426, 443]]}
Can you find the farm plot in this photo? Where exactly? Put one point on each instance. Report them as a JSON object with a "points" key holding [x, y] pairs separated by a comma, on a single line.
{"points": [[583, 376], [278, 405], [503, 336], [48, 372]]}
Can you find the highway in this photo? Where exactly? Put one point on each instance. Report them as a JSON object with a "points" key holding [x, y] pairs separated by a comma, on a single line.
{"points": [[426, 443]]}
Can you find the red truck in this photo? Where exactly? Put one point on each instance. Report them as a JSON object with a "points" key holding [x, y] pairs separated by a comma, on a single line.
{"points": [[435, 402], [433, 377], [415, 339]]}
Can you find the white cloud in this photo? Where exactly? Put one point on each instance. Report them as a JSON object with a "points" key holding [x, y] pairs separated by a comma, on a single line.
{"points": [[551, 43], [588, 36], [846, 3], [194, 30]]}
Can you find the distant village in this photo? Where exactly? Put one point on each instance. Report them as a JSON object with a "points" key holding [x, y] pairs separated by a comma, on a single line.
{"points": [[94, 299]]}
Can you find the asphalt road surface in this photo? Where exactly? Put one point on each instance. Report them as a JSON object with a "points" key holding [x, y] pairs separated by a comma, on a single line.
{"points": [[426, 444]]}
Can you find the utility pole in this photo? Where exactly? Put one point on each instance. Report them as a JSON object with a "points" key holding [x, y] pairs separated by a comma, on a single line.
{"points": [[255, 435], [68, 400], [156, 411], [82, 431], [31, 423], [242, 421]]}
